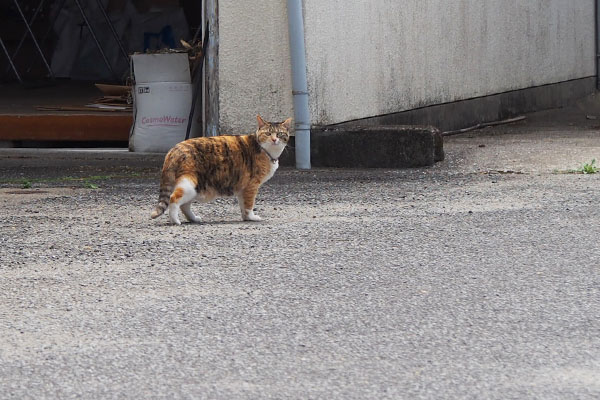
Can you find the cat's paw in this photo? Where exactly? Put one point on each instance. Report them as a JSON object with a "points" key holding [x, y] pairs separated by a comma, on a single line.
{"points": [[192, 218], [174, 214], [250, 216], [175, 220]]}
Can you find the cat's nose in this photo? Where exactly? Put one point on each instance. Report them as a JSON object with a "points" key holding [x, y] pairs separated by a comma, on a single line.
{"points": [[275, 140]]}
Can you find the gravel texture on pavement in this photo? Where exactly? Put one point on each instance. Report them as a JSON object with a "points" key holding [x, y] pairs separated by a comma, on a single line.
{"points": [[475, 278]]}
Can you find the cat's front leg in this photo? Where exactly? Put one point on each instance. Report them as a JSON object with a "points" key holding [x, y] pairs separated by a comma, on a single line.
{"points": [[246, 201]]}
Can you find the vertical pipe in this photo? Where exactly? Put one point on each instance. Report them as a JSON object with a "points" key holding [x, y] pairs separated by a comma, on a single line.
{"points": [[299, 83]]}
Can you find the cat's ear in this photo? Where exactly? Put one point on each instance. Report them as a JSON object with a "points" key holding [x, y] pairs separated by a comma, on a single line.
{"points": [[287, 124], [261, 122]]}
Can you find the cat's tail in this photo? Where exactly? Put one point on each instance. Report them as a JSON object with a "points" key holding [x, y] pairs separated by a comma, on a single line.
{"points": [[167, 182]]}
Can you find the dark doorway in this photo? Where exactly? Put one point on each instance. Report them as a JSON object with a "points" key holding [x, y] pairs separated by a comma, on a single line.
{"points": [[56, 56]]}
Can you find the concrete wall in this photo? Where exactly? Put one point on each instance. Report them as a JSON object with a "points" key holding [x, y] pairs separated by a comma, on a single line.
{"points": [[254, 64], [384, 56]]}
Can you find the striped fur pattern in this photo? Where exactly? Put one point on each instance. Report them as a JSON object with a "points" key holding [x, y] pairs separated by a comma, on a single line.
{"points": [[209, 167]]}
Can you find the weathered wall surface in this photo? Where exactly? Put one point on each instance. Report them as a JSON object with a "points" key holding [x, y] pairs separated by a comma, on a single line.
{"points": [[254, 64], [383, 56], [386, 56]]}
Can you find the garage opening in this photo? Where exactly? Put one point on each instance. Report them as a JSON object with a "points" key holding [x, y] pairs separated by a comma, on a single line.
{"points": [[65, 70]]}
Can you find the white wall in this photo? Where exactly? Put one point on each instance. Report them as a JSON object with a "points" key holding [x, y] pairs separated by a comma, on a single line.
{"points": [[368, 58], [382, 56], [254, 64]]}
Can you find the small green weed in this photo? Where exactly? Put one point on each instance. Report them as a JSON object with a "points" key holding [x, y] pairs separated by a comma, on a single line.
{"points": [[589, 168], [90, 185], [26, 184]]}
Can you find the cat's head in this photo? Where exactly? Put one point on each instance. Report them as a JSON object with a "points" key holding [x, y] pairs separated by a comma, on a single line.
{"points": [[273, 135]]}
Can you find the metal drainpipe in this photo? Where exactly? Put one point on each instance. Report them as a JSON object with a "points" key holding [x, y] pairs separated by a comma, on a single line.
{"points": [[299, 84]]}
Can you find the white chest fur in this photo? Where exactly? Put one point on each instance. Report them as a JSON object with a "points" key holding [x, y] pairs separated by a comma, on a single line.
{"points": [[274, 166]]}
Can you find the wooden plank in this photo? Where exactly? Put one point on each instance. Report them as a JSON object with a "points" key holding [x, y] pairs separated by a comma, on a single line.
{"points": [[211, 99], [114, 90], [71, 127], [97, 107]]}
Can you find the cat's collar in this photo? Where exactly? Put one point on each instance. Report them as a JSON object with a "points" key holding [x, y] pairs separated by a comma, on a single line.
{"points": [[273, 159]]}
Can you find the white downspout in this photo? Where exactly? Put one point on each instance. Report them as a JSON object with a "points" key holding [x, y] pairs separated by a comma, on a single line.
{"points": [[299, 83]]}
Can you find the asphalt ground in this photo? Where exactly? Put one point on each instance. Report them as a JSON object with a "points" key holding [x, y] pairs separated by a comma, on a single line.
{"points": [[475, 278]]}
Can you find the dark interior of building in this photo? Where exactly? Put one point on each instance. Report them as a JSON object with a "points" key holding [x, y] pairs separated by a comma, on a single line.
{"points": [[56, 55]]}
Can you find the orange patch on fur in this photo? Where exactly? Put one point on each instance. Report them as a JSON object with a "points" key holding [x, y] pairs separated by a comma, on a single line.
{"points": [[176, 196]]}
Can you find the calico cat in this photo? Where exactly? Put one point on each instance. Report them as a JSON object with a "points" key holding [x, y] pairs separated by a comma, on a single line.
{"points": [[208, 167]]}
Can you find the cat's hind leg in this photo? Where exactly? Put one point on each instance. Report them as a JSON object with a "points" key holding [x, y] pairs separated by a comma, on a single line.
{"points": [[189, 214], [184, 193]]}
